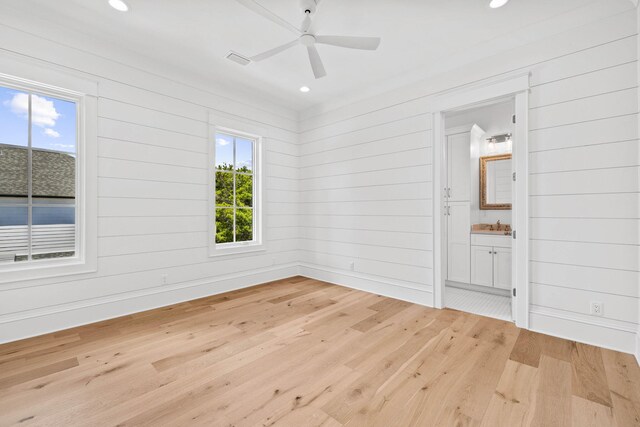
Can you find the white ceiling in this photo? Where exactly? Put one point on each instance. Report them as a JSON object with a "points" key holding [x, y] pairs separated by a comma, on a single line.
{"points": [[197, 34]]}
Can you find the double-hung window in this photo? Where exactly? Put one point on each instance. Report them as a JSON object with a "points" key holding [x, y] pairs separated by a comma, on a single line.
{"points": [[236, 201], [43, 180]]}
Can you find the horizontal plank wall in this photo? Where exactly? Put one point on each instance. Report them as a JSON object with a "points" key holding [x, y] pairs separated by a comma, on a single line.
{"points": [[152, 192], [349, 192], [366, 170]]}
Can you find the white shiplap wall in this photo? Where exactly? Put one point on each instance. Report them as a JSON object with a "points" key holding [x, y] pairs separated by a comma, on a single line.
{"points": [[354, 186], [366, 173], [152, 192]]}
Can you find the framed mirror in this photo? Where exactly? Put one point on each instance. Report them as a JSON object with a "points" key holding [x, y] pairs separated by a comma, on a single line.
{"points": [[495, 182]]}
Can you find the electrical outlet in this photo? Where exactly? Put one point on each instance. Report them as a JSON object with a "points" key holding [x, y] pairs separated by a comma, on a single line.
{"points": [[352, 266], [597, 308], [164, 279]]}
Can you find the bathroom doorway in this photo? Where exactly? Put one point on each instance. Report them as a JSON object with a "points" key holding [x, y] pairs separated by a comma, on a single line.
{"points": [[477, 222], [480, 233]]}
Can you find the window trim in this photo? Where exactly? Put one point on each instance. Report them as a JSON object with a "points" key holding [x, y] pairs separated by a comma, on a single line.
{"points": [[84, 94], [257, 244]]}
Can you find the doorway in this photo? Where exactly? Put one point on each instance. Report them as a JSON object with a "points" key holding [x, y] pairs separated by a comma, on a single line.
{"points": [[481, 211], [477, 209]]}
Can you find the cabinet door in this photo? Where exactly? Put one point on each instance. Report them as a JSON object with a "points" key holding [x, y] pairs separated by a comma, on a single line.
{"points": [[502, 268], [458, 170], [458, 241], [482, 265]]}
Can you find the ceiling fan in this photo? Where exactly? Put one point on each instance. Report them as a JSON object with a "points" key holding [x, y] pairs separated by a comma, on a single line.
{"points": [[305, 37]]}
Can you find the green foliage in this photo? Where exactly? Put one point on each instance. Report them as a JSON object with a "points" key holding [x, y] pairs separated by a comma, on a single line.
{"points": [[225, 203]]}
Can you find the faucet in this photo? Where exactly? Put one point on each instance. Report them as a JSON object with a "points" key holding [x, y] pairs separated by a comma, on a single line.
{"points": [[498, 224]]}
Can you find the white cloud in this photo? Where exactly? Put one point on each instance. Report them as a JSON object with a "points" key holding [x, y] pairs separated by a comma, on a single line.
{"points": [[51, 133], [43, 111], [222, 141]]}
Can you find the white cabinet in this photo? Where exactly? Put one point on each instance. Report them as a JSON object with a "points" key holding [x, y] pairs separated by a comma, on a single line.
{"points": [[458, 229], [491, 261], [458, 167], [482, 265], [502, 268], [457, 196]]}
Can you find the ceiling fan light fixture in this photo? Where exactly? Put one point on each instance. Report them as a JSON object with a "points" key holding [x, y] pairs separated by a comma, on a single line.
{"points": [[494, 4], [304, 89], [119, 5]]}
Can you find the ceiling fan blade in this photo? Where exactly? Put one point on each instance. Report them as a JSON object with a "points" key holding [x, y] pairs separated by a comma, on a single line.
{"points": [[316, 62], [266, 13], [351, 42], [274, 51]]}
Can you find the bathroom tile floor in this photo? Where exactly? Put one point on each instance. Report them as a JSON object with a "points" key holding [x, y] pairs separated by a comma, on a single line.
{"points": [[489, 305]]}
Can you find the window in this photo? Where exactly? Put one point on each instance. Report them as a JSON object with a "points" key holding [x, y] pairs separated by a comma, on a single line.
{"points": [[39, 170], [236, 206]]}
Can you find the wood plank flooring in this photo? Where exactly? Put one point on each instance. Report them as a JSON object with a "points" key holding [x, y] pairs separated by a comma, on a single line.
{"points": [[299, 352]]}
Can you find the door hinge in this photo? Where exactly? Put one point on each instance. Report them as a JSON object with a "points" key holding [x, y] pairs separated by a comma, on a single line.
{"points": [[514, 292], [513, 119], [514, 234], [513, 176]]}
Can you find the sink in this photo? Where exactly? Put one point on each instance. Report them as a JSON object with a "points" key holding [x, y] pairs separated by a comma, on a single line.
{"points": [[498, 229]]}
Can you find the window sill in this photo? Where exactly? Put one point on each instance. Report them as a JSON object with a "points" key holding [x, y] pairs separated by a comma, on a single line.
{"points": [[223, 250], [16, 272]]}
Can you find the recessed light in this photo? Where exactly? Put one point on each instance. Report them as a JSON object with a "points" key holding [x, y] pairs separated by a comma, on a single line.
{"points": [[494, 4], [304, 89], [119, 5]]}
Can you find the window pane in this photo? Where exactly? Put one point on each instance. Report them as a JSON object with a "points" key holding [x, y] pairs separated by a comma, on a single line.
{"points": [[14, 233], [244, 155], [224, 225], [14, 179], [53, 124], [244, 225], [53, 234], [54, 175], [54, 215], [244, 190], [224, 189], [14, 117], [12, 215], [224, 152]]}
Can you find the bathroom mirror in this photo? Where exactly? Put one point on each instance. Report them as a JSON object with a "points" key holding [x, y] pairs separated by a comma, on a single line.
{"points": [[495, 182]]}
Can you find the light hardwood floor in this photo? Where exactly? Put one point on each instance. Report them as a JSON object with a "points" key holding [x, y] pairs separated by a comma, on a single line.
{"points": [[299, 352]]}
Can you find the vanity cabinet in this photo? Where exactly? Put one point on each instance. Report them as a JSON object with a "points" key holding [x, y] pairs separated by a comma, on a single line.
{"points": [[491, 261], [482, 265], [502, 268]]}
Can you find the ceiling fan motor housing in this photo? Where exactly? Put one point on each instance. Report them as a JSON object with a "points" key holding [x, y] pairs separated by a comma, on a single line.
{"points": [[307, 40]]}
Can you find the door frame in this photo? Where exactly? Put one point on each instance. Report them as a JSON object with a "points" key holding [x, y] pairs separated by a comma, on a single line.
{"points": [[517, 87]]}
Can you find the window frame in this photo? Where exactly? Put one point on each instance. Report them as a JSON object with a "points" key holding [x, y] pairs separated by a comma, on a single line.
{"points": [[84, 94], [257, 244]]}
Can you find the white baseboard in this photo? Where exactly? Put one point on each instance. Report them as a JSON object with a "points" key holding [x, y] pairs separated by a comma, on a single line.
{"points": [[405, 291], [606, 333], [23, 325], [614, 335]]}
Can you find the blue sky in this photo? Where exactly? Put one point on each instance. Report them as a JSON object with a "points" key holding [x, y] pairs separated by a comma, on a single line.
{"points": [[224, 151], [53, 121]]}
